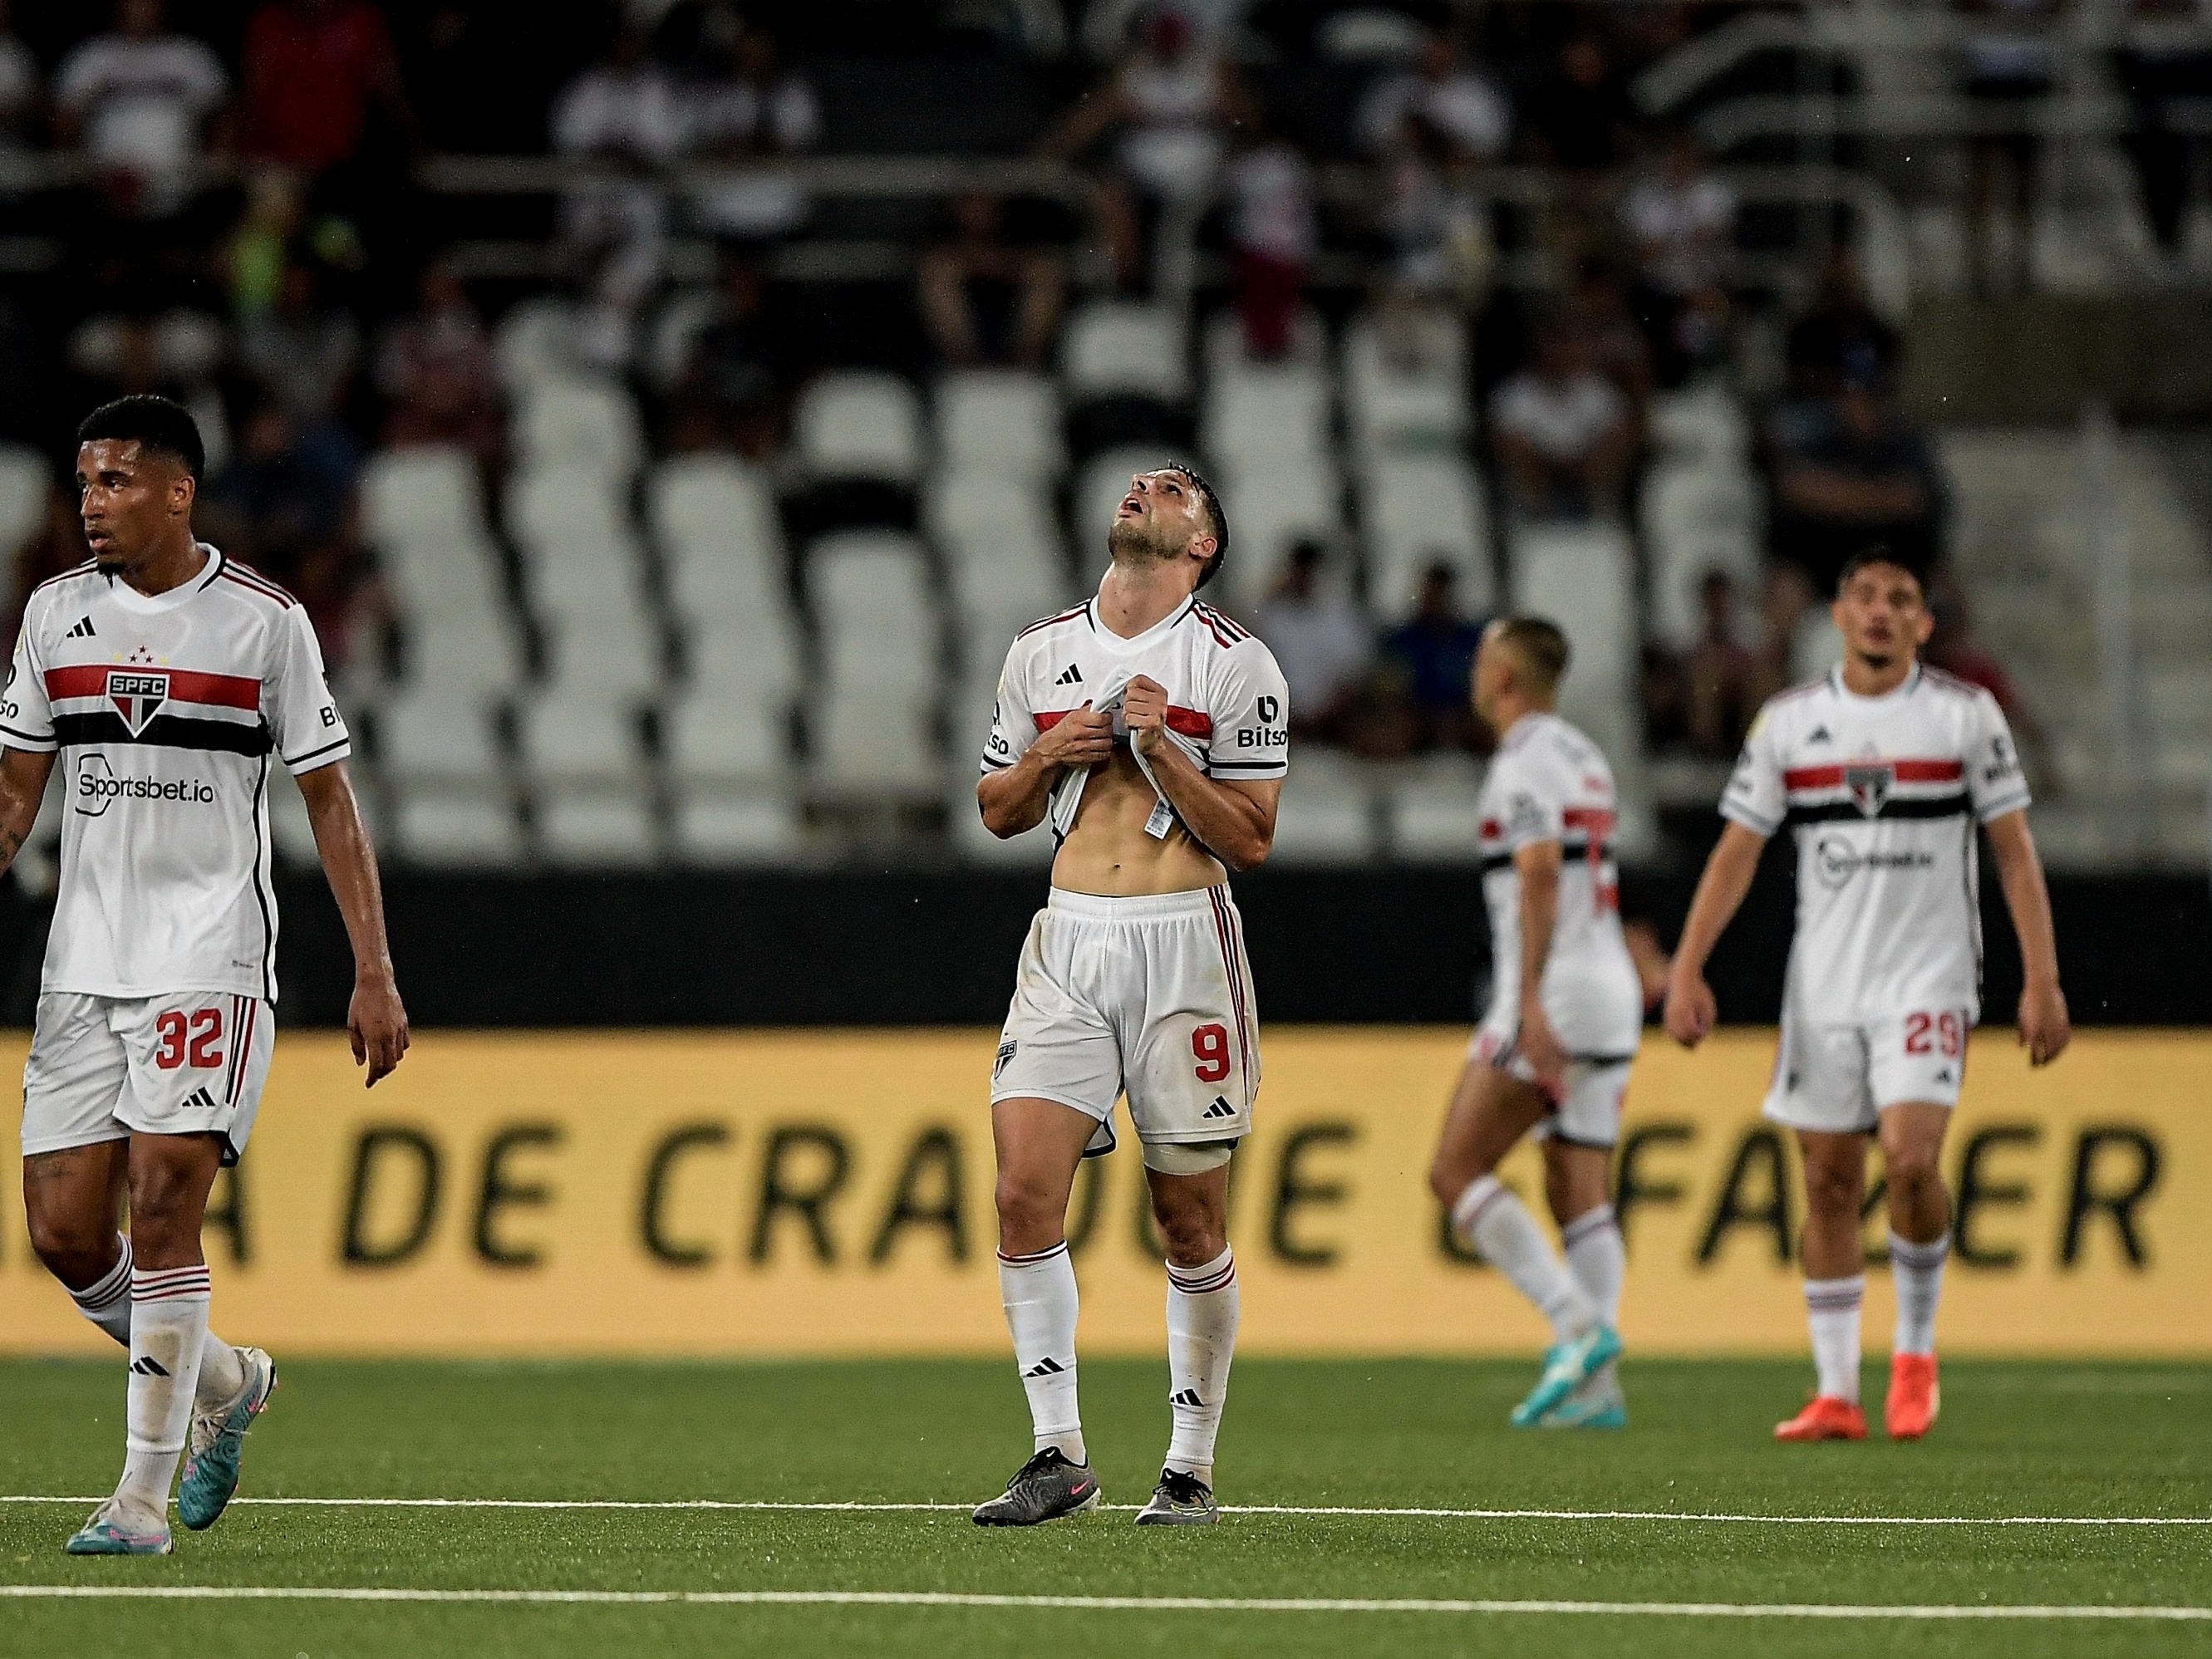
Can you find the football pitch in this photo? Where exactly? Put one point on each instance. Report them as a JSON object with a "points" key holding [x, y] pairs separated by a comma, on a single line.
{"points": [[1374, 1507]]}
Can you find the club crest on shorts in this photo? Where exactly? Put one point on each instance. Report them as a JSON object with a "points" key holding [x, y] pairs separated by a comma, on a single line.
{"points": [[136, 696], [1869, 785], [1006, 1053]]}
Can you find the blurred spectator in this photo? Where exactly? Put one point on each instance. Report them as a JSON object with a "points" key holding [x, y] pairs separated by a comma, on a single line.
{"points": [[19, 89], [1169, 103], [254, 259], [753, 111], [1594, 310], [1952, 648], [1443, 254], [1840, 338], [144, 334], [987, 299], [622, 113], [57, 546], [1274, 235], [1681, 222], [1580, 117], [136, 100], [279, 498], [2166, 53], [2007, 63], [1469, 115], [1849, 471], [435, 371], [1720, 673], [1564, 434], [734, 381], [1432, 659], [304, 353], [1321, 644], [312, 70], [1790, 615]]}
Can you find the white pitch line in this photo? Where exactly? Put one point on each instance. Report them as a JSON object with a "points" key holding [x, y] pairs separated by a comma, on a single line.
{"points": [[1095, 1603], [771, 1506]]}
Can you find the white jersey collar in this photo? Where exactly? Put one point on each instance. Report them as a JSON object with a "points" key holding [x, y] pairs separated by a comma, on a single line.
{"points": [[131, 599], [1905, 688], [1123, 648]]}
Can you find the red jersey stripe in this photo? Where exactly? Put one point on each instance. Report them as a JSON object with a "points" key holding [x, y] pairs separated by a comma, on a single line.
{"points": [[1189, 721], [1905, 771], [216, 690]]}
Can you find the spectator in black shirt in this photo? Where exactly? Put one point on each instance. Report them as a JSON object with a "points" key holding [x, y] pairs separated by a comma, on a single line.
{"points": [[1840, 338]]}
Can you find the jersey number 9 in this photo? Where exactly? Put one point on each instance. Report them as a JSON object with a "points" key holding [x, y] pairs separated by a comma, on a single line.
{"points": [[1210, 1043]]}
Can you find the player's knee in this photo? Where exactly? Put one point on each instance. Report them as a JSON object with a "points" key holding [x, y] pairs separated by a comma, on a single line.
{"points": [[77, 1250], [1833, 1190], [1910, 1168], [1025, 1206], [1192, 1235]]}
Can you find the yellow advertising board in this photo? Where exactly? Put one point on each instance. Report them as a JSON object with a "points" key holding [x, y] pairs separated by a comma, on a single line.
{"points": [[829, 1193]]}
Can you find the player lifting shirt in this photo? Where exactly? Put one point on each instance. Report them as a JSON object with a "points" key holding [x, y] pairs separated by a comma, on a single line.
{"points": [[1882, 769], [1566, 1007], [166, 678], [1152, 733]]}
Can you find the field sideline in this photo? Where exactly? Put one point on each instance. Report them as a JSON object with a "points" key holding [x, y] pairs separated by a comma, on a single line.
{"points": [[416, 1507]]}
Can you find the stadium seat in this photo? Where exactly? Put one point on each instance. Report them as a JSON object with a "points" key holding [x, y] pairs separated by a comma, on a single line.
{"points": [[1420, 510], [1267, 416], [1698, 517], [464, 828], [715, 519], [1582, 578], [1031, 849], [870, 746], [429, 734], [573, 422], [727, 735], [757, 651], [1223, 344], [1433, 810], [877, 615], [1327, 814], [1700, 423], [25, 488], [853, 423], [1112, 347], [719, 827], [1270, 510], [1001, 545], [999, 421], [1391, 403], [423, 510], [570, 736], [531, 341], [596, 828]]}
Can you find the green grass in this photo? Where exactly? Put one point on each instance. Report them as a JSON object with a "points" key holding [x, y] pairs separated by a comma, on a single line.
{"points": [[2072, 1439]]}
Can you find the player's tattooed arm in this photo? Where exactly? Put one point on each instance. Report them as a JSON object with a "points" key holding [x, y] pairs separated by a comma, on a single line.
{"points": [[23, 786], [1537, 865], [375, 1019], [1691, 1011], [2046, 1027], [1015, 798]]}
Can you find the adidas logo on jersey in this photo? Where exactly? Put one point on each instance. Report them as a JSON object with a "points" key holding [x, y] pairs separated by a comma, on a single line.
{"points": [[84, 631], [1070, 675], [1819, 734], [1046, 1367], [1221, 1108]]}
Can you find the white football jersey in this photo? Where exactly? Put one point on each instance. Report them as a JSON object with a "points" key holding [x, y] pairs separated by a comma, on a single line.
{"points": [[1548, 782], [1228, 706], [1884, 794], [166, 711]]}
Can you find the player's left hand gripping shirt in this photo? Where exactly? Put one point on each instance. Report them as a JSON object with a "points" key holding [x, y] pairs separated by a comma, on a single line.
{"points": [[1884, 794], [1228, 706], [166, 711]]}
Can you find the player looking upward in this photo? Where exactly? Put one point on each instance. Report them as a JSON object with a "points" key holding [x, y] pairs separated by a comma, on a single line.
{"points": [[167, 676], [1153, 733], [1566, 1006], [1881, 769]]}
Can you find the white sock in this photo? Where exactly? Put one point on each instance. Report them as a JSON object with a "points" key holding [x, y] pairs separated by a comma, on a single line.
{"points": [[1832, 1307], [1916, 1272], [1203, 1303], [169, 1329], [108, 1304], [1598, 1259], [1498, 1227], [1038, 1292]]}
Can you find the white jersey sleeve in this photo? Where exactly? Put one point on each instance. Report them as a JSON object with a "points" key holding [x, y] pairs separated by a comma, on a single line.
{"points": [[1757, 796], [1994, 781], [27, 717], [304, 722], [1013, 722], [1249, 704], [1531, 805]]}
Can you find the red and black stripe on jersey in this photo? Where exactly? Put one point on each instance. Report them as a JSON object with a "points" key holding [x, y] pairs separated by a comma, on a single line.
{"points": [[1814, 798]]}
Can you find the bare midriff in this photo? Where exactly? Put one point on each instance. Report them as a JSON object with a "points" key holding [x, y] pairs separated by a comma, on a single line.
{"points": [[1108, 852]]}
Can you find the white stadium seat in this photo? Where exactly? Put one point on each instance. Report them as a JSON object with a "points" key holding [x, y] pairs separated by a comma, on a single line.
{"points": [[1433, 813], [26, 485], [727, 735], [853, 423], [1582, 578], [427, 734], [593, 828], [1327, 810], [718, 827], [998, 539], [716, 520], [578, 737], [876, 615], [1420, 510], [1118, 346], [570, 420], [1698, 517], [1269, 510], [1001, 421], [868, 744], [531, 344], [457, 829], [1267, 415], [1394, 403]]}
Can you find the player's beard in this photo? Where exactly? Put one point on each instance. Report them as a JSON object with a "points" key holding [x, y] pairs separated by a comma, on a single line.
{"points": [[1136, 543]]}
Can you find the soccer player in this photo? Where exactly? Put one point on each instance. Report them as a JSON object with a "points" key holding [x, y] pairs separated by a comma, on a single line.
{"points": [[1882, 769], [1153, 733], [1566, 1006], [167, 676]]}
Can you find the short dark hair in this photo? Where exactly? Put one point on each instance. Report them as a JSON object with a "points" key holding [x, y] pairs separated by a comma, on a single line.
{"points": [[156, 423], [1883, 553], [1216, 516], [1541, 645]]}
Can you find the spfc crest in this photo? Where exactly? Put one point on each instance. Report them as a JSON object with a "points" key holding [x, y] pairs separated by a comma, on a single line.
{"points": [[136, 696], [1869, 786]]}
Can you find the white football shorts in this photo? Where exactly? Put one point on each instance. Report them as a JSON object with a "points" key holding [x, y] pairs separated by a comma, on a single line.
{"points": [[1586, 1109], [1838, 1079], [1150, 996], [103, 1068]]}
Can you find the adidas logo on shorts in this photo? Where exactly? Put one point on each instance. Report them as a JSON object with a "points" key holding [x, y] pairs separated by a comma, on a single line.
{"points": [[200, 1100], [1221, 1108]]}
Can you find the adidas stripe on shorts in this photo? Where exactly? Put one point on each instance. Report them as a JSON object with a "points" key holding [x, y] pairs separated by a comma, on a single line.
{"points": [[103, 1068], [1152, 996]]}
